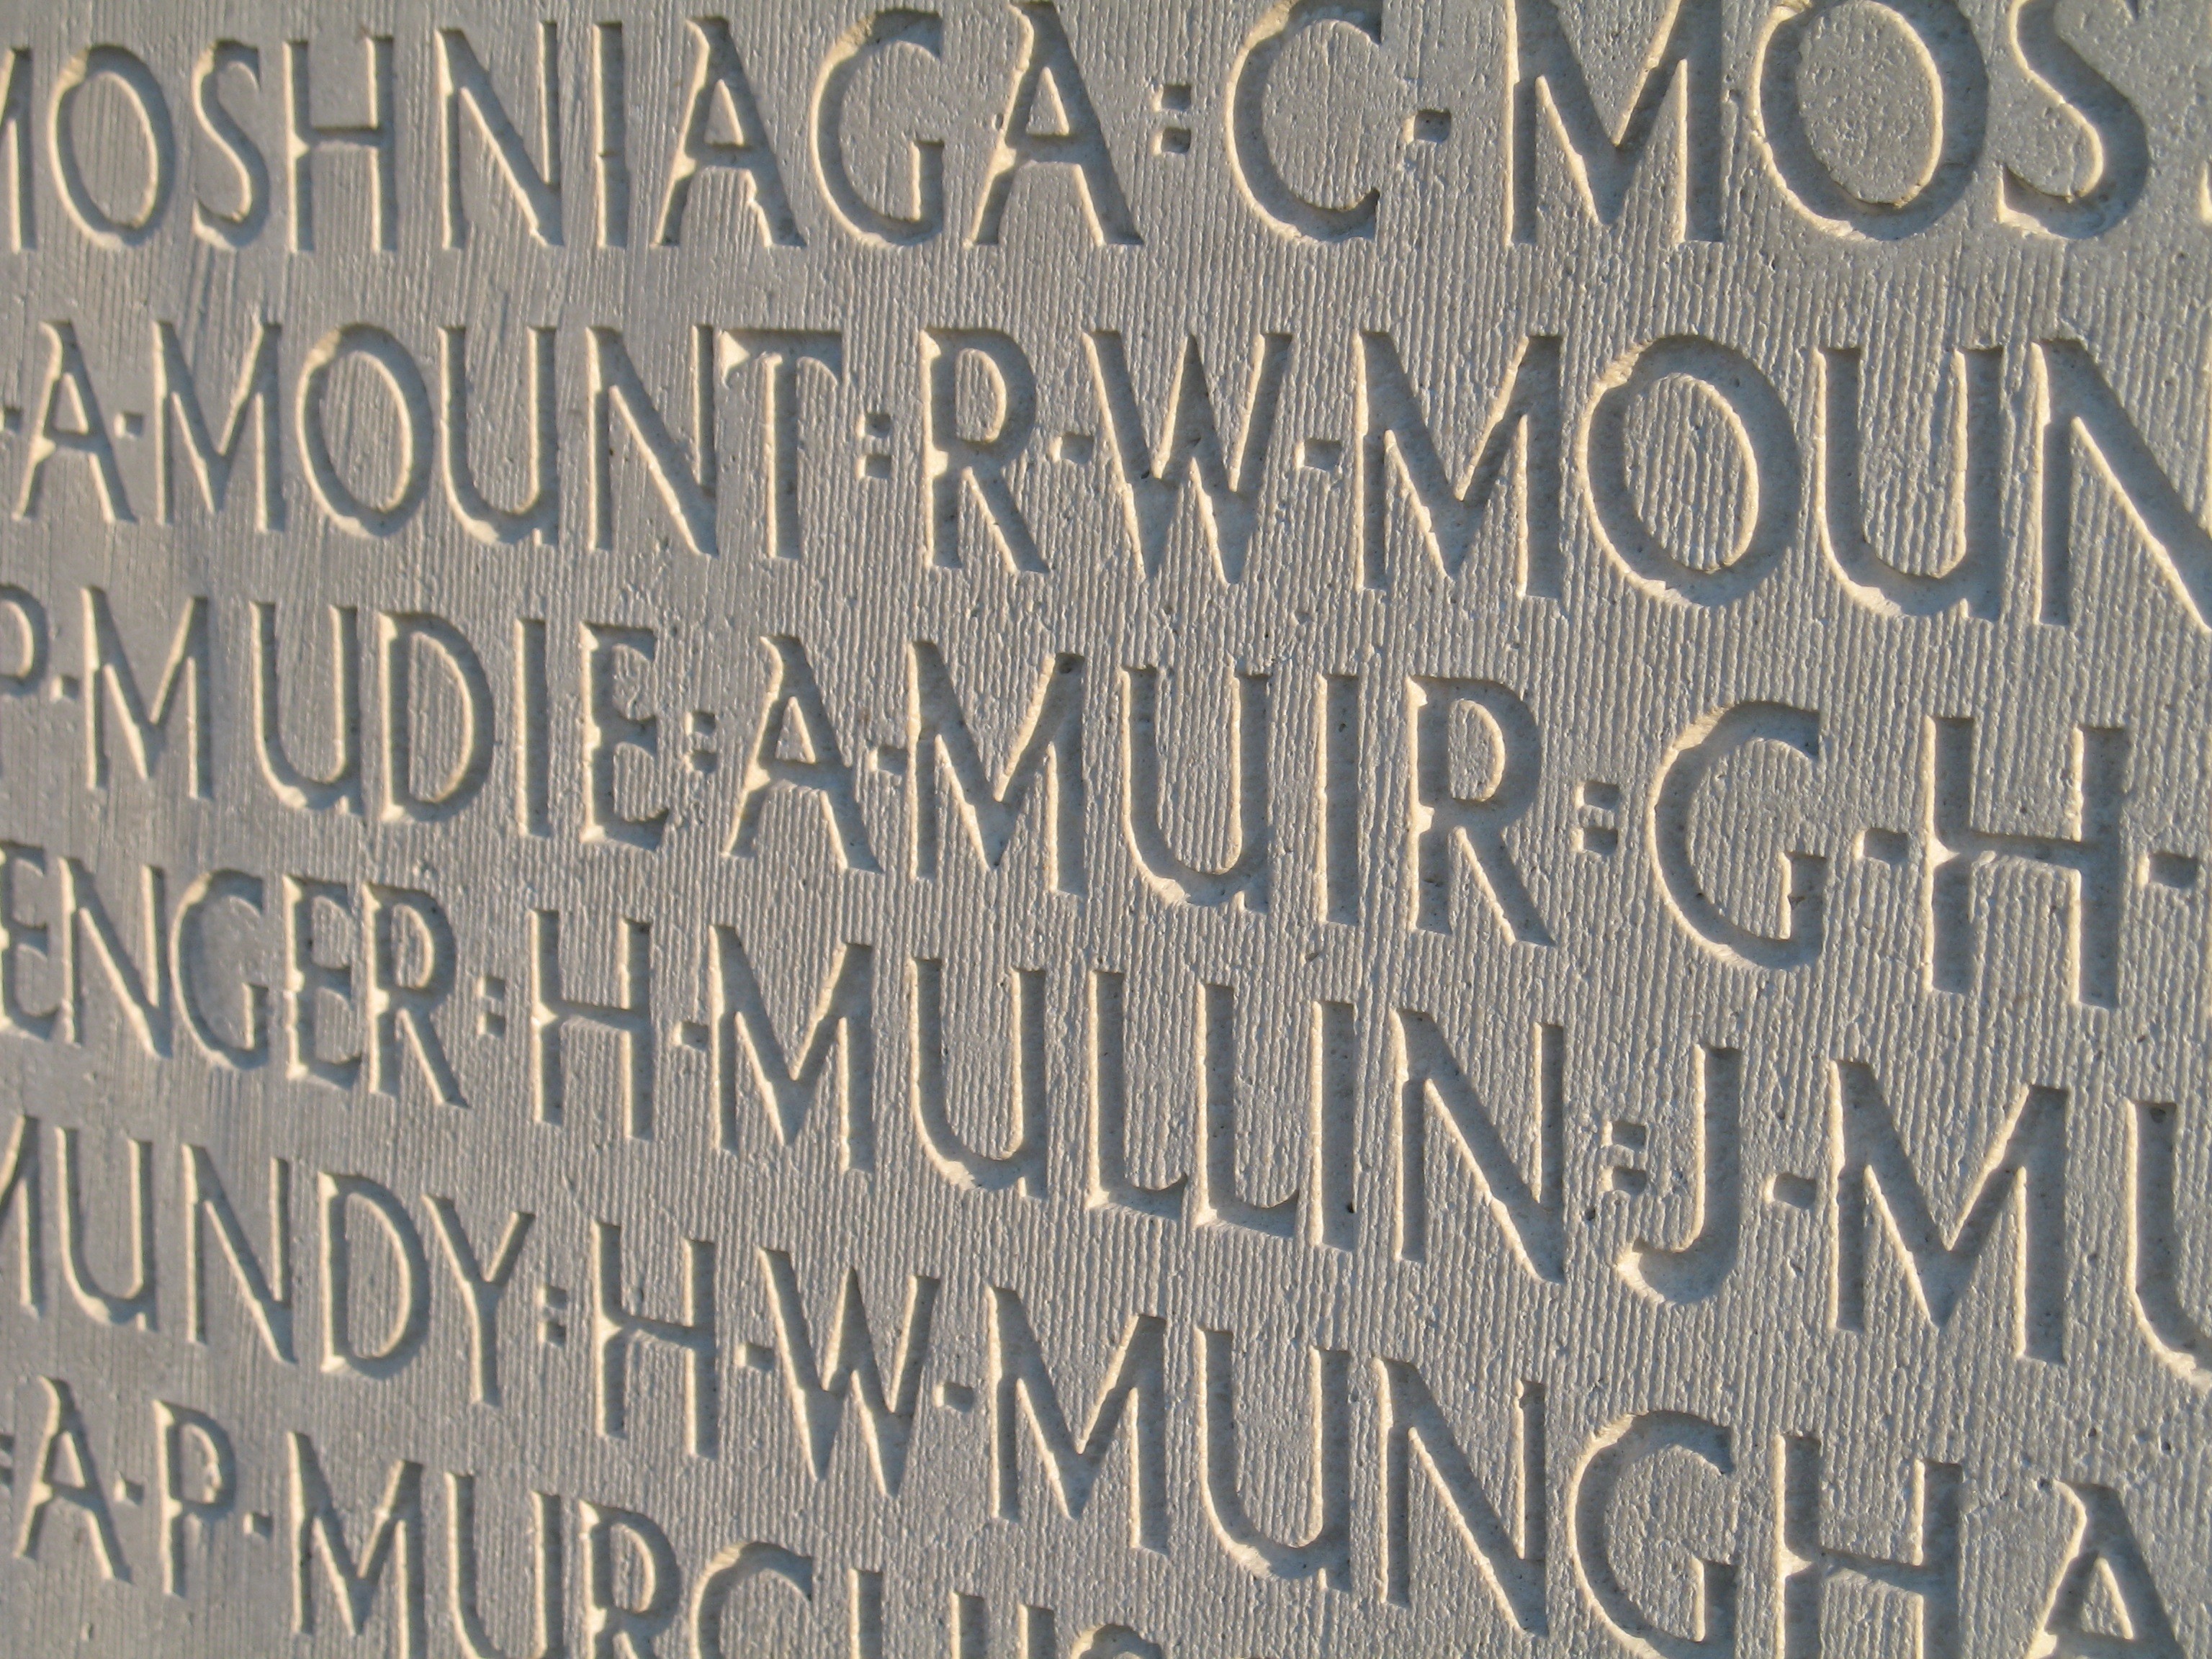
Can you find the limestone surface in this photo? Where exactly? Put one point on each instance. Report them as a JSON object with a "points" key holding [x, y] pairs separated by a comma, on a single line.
{"points": [[1050, 829]]}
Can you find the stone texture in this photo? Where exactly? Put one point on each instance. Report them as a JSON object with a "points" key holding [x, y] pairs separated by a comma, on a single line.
{"points": [[1345, 828]]}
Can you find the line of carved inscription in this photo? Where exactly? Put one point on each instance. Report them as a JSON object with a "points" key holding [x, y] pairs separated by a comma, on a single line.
{"points": [[401, 717], [1416, 513], [1040, 1126], [636, 162], [1162, 1435]]}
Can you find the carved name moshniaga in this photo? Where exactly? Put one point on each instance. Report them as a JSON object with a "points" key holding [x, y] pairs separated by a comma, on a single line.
{"points": [[1017, 830]]}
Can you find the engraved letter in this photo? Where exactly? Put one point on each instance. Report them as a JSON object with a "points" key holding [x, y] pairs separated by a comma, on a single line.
{"points": [[797, 749], [2155, 1245], [1695, 757], [1023, 1164], [1265, 188], [378, 135], [1429, 1079], [69, 394], [16, 132], [1692, 1270], [22, 1197], [718, 86], [409, 1321], [618, 1329], [128, 71], [1133, 1394], [898, 25], [610, 727], [19, 934], [136, 1305], [2103, 1538], [239, 229], [1734, 397], [1950, 60], [951, 780], [959, 463], [728, 1572], [76, 1487], [1477, 756], [411, 956], [397, 1530], [268, 1293], [629, 1021], [1241, 881], [1190, 453], [1027, 135], [1807, 1564], [1549, 82], [781, 353], [1512, 1568], [485, 1287], [217, 1483], [411, 639], [2093, 861], [141, 992], [610, 133], [1516, 462], [187, 684], [2026, 1162], [177, 394], [402, 378], [2110, 127], [1327, 1549], [340, 789], [818, 1384], [1713, 1595], [539, 517], [686, 491], [2076, 403], [1220, 1200], [1974, 577], [461, 76], [310, 981], [836, 1050], [550, 1599], [655, 1578], [1109, 1180]]}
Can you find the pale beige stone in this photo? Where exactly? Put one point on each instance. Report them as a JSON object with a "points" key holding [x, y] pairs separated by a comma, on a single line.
{"points": [[1352, 827]]}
